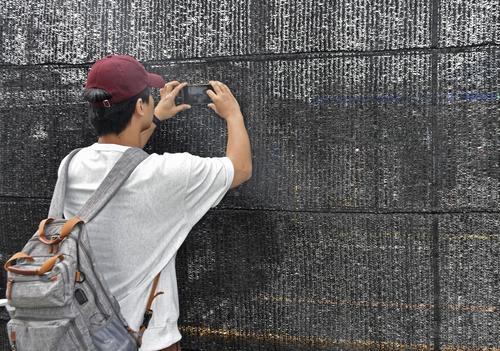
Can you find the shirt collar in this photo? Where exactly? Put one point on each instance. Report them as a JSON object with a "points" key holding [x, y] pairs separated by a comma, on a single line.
{"points": [[108, 146]]}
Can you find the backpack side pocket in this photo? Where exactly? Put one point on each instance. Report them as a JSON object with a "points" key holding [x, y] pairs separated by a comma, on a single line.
{"points": [[51, 289], [113, 336], [55, 334]]}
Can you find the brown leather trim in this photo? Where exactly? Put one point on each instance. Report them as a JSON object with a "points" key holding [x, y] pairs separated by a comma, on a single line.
{"points": [[152, 292], [41, 231], [16, 256], [65, 231], [44, 240], [151, 297], [49, 264], [69, 225], [44, 268]]}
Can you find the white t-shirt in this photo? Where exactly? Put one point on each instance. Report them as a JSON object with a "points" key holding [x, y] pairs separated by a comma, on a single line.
{"points": [[154, 210]]}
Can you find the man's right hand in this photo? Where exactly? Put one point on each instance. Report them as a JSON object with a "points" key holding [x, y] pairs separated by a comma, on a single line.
{"points": [[224, 102], [167, 108]]}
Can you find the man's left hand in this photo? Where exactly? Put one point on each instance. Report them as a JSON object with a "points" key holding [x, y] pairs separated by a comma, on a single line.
{"points": [[167, 108]]}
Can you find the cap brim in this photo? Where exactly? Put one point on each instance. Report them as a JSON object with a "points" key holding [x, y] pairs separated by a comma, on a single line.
{"points": [[155, 80]]}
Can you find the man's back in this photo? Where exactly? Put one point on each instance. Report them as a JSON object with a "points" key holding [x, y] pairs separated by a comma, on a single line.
{"points": [[154, 210], [173, 191]]}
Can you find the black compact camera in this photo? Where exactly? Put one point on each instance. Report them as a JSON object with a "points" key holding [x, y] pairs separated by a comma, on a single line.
{"points": [[195, 94]]}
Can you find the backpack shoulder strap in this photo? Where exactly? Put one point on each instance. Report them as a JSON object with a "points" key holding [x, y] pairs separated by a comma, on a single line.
{"points": [[125, 165]]}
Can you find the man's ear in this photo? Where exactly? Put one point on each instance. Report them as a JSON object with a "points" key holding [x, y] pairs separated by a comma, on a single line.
{"points": [[139, 107]]}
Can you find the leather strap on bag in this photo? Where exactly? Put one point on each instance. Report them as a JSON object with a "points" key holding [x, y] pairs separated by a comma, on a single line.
{"points": [[149, 312], [41, 231], [65, 230], [44, 268]]}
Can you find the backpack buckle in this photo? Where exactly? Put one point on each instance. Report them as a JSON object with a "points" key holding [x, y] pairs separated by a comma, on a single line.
{"points": [[55, 246], [147, 317]]}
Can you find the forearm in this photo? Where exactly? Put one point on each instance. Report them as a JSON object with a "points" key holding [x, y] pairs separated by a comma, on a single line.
{"points": [[146, 134], [238, 144]]}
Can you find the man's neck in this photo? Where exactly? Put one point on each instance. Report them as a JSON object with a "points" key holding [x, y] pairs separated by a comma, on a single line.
{"points": [[114, 139]]}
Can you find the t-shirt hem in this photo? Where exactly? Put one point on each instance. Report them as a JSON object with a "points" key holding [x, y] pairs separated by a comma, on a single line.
{"points": [[157, 338]]}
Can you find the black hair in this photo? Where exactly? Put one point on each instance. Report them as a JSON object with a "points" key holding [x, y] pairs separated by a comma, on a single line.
{"points": [[112, 119]]}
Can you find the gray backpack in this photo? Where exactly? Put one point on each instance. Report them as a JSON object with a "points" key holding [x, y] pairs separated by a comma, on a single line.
{"points": [[57, 299]]}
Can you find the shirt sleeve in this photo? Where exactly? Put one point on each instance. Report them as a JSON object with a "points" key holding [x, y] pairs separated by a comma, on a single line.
{"points": [[209, 179], [61, 165]]}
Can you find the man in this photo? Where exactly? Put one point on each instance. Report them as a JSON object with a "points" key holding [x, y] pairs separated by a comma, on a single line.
{"points": [[163, 198]]}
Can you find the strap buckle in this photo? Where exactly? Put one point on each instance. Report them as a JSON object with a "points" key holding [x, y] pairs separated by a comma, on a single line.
{"points": [[147, 318]]}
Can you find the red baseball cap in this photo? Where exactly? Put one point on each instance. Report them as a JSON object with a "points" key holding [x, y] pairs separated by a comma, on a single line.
{"points": [[122, 76]]}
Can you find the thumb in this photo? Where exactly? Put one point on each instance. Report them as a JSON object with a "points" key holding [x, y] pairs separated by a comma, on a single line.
{"points": [[212, 106], [184, 107]]}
